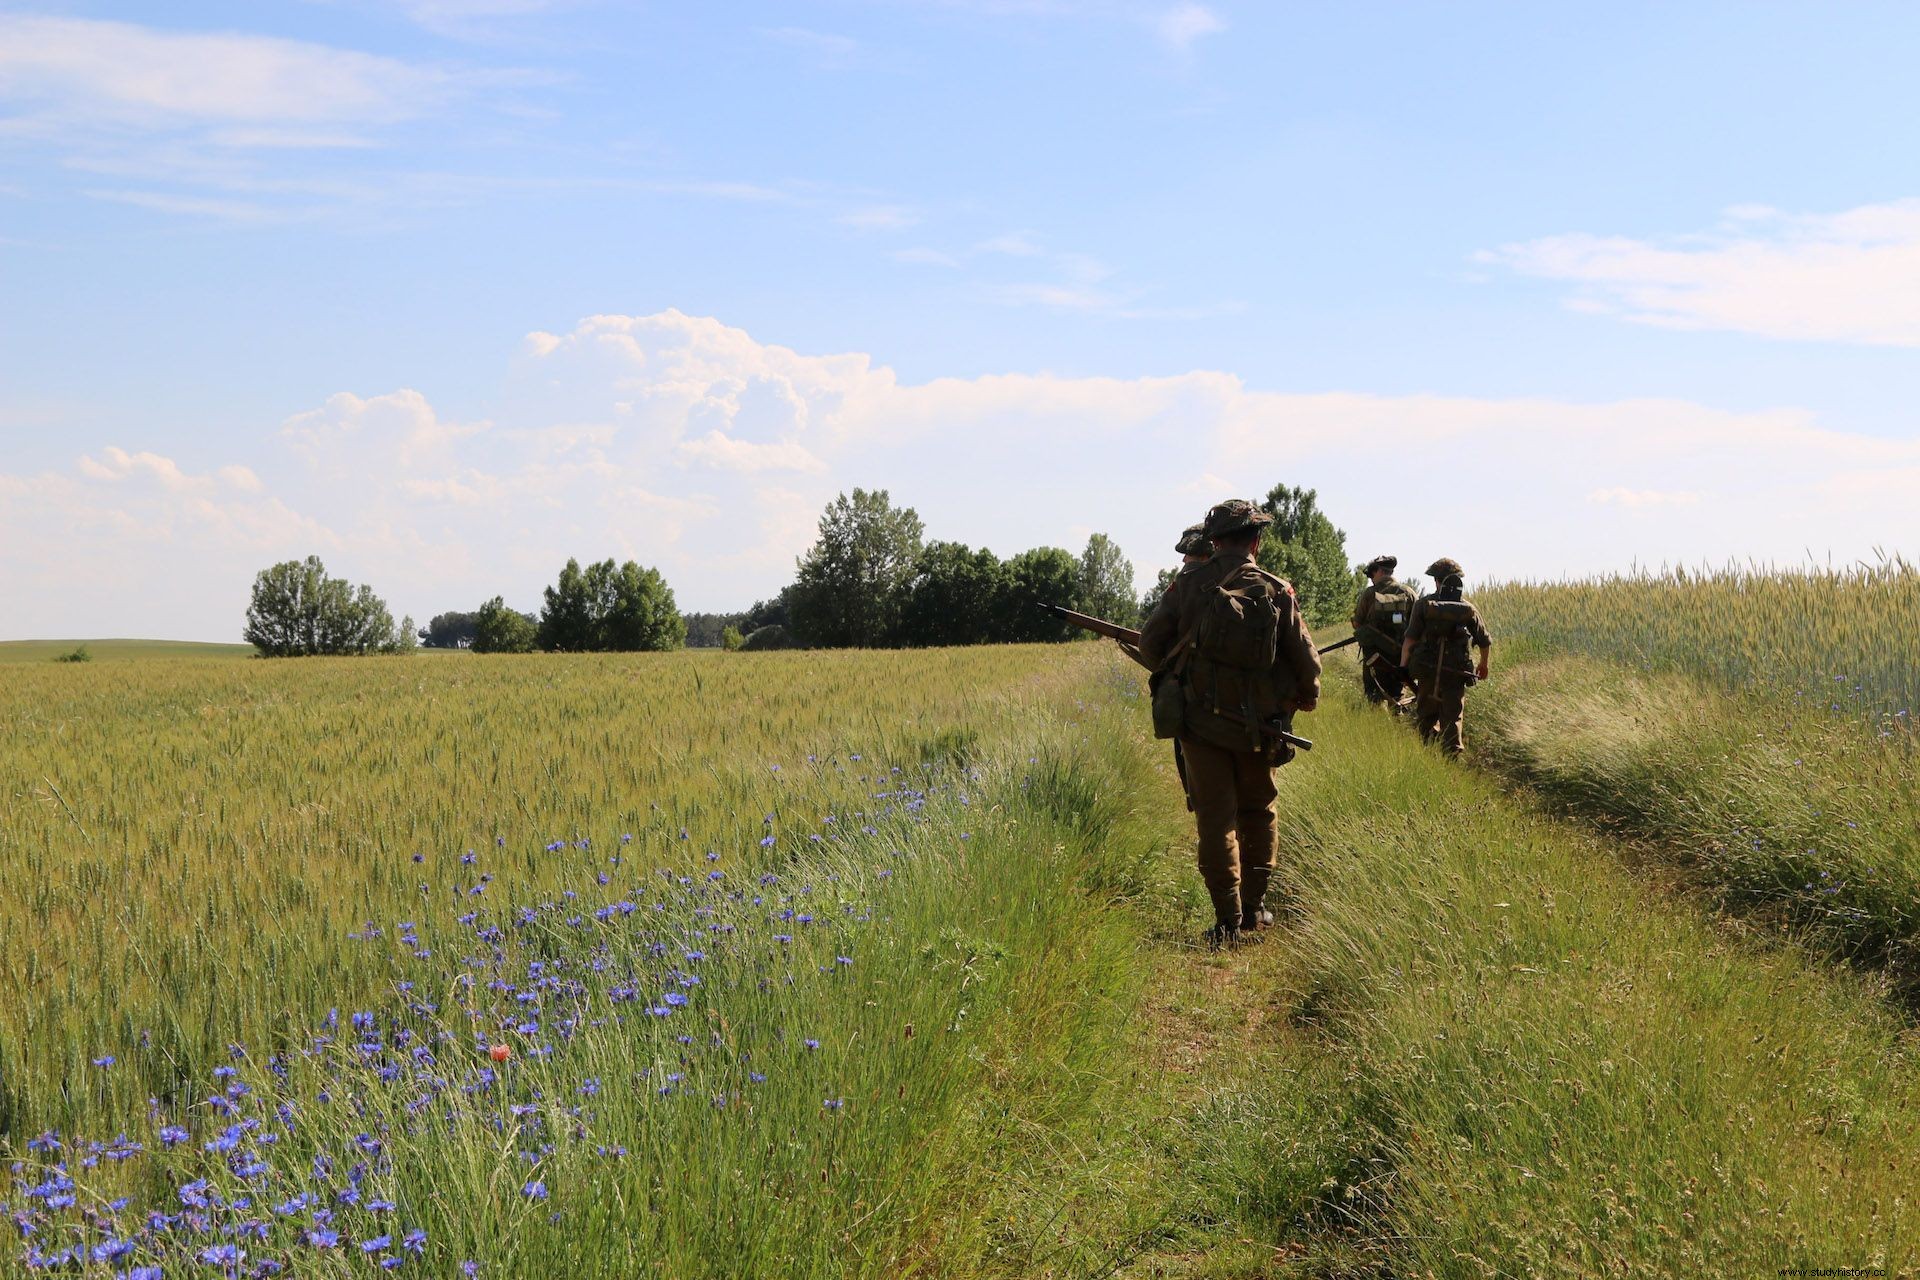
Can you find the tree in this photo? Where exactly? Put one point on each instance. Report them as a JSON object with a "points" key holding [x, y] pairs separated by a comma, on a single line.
{"points": [[1158, 589], [449, 631], [608, 607], [708, 630], [640, 613], [1105, 588], [731, 639], [852, 582], [567, 622], [298, 610], [498, 629], [1044, 575], [954, 597], [1303, 546]]}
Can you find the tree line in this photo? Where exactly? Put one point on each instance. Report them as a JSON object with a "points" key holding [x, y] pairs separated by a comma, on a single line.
{"points": [[297, 609], [871, 579]]}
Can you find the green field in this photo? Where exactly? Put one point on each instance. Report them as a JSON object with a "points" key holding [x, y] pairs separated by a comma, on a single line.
{"points": [[873, 964], [118, 650]]}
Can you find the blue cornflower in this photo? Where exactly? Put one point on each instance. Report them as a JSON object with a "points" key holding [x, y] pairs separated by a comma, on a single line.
{"points": [[323, 1238], [534, 1191], [105, 1060], [469, 1268], [222, 1255], [833, 1104], [415, 1240], [376, 1244], [172, 1135], [675, 999]]}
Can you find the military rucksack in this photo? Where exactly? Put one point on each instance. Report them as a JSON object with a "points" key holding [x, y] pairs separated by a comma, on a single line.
{"points": [[1239, 622], [1392, 610], [1449, 635]]}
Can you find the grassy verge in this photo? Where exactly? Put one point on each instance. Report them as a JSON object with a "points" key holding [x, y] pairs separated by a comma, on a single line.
{"points": [[1485, 1049], [1802, 818]]}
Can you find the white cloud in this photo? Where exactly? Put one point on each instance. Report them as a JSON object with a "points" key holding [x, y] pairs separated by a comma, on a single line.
{"points": [[881, 217], [691, 445], [1845, 277], [924, 257], [1181, 25], [138, 76]]}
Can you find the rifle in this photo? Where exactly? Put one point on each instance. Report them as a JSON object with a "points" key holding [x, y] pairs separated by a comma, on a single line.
{"points": [[1129, 641], [1339, 644]]}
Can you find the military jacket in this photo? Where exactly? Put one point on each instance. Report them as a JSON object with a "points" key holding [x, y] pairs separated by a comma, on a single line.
{"points": [[1167, 642], [1444, 635], [1380, 617]]}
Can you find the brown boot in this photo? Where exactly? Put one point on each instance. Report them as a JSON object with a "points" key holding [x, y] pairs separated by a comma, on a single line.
{"points": [[1253, 892]]}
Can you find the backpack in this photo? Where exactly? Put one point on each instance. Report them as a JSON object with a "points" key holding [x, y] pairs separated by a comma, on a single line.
{"points": [[1239, 623]]}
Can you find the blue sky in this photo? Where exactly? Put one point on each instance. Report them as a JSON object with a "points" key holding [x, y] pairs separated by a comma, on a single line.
{"points": [[446, 291]]}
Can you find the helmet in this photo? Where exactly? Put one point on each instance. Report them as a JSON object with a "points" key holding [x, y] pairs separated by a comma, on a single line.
{"points": [[1235, 515], [1389, 563], [1443, 566], [1194, 541]]}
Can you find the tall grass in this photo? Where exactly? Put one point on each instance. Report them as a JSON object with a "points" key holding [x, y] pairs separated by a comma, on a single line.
{"points": [[1754, 727], [1840, 640]]}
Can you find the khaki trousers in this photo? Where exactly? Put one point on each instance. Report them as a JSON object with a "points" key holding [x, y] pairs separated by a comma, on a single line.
{"points": [[1442, 710], [1232, 794]]}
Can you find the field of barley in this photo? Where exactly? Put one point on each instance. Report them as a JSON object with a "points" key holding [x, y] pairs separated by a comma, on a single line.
{"points": [[870, 964]]}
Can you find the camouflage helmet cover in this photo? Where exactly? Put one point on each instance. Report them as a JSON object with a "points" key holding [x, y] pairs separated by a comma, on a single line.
{"points": [[1194, 541], [1389, 563], [1235, 515], [1445, 567]]}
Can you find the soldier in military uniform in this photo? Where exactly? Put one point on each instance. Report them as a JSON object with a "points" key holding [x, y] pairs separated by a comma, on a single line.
{"points": [[1232, 635], [1380, 616], [1195, 547], [1444, 626]]}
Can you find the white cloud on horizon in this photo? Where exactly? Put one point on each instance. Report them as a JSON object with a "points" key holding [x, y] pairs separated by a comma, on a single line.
{"points": [[690, 445], [1180, 26], [1851, 277]]}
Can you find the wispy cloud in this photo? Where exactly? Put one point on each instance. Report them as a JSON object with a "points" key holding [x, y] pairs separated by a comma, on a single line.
{"points": [[826, 49], [881, 217], [1180, 26], [84, 72], [1849, 277]]}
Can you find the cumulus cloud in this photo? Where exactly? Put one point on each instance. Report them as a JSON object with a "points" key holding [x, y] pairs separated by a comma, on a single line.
{"points": [[693, 446], [1842, 277]]}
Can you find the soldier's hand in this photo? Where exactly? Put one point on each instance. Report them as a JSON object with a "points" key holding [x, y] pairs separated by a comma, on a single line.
{"points": [[1480, 672], [1308, 705]]}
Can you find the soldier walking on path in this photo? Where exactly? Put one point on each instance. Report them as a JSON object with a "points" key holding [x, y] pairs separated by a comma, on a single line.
{"points": [[1443, 628], [1232, 635], [1380, 617]]}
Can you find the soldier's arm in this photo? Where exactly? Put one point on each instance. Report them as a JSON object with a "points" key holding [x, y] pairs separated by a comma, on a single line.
{"points": [[1362, 608], [1161, 630], [1483, 641], [1297, 652]]}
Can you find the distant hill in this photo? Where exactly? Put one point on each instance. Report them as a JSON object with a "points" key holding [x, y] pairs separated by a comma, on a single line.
{"points": [[118, 650]]}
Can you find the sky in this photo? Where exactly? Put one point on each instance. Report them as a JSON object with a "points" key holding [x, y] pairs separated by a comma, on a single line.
{"points": [[448, 291]]}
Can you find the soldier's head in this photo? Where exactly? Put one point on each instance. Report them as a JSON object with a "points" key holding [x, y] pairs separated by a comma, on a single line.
{"points": [[1381, 568], [1451, 586], [1194, 545], [1445, 565], [1236, 524]]}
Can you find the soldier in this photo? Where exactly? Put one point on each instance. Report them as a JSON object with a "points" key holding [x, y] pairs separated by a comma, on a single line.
{"points": [[1195, 547], [1231, 633], [1439, 633], [1380, 616]]}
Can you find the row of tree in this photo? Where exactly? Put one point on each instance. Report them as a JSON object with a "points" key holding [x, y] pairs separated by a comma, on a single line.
{"points": [[870, 580], [297, 609]]}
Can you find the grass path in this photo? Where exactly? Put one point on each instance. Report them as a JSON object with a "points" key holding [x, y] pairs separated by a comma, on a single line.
{"points": [[1486, 1048]]}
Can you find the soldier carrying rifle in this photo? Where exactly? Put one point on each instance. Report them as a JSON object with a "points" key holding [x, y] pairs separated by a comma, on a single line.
{"points": [[1228, 638]]}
